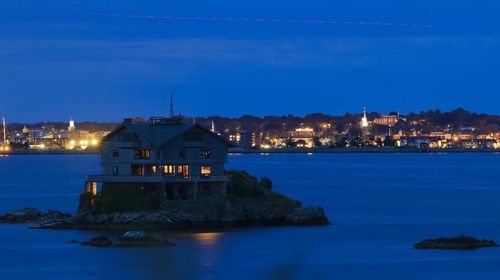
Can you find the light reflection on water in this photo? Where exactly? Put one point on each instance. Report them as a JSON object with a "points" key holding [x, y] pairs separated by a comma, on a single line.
{"points": [[206, 238]]}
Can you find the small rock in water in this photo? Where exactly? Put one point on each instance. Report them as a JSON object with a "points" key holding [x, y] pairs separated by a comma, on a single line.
{"points": [[99, 241], [140, 239], [458, 243], [72, 241], [312, 215]]}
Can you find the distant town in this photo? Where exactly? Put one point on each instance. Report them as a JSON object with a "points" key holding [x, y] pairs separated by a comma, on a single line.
{"points": [[427, 130]]}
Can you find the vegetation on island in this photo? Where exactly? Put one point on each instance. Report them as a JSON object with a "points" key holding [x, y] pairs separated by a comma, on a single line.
{"points": [[132, 198], [459, 243], [122, 199], [243, 185]]}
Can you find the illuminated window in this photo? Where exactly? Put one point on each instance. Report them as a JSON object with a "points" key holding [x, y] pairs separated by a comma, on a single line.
{"points": [[183, 171], [206, 171], [169, 170], [153, 169]]}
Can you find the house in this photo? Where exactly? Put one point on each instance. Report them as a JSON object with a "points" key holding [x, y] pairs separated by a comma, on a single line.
{"points": [[180, 161], [390, 120]]}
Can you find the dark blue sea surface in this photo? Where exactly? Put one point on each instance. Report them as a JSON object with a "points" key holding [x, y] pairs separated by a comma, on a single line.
{"points": [[379, 205]]}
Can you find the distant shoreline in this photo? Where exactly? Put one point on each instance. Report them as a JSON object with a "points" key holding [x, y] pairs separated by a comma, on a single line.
{"points": [[283, 151], [354, 150]]}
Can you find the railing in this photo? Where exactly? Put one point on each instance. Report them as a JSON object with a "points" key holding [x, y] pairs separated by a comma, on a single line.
{"points": [[155, 179]]}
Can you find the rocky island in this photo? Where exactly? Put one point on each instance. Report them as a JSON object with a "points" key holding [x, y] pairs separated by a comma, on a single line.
{"points": [[248, 202], [457, 243]]}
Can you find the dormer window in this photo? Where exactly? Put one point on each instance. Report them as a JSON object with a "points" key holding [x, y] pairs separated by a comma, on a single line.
{"points": [[205, 154]]}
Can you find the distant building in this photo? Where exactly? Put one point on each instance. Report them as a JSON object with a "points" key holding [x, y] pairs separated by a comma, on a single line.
{"points": [[387, 120], [305, 132], [181, 161]]}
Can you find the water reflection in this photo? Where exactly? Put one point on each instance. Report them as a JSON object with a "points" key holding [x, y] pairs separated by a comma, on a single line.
{"points": [[205, 238]]}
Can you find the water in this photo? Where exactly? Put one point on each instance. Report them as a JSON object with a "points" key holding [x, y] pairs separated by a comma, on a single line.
{"points": [[380, 204]]}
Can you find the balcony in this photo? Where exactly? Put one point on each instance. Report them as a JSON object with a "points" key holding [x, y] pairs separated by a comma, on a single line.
{"points": [[154, 179]]}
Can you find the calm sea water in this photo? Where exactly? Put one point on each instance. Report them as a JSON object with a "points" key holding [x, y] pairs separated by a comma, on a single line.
{"points": [[380, 204]]}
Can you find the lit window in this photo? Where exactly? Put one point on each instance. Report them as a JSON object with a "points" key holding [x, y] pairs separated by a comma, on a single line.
{"points": [[206, 171], [169, 170], [183, 171]]}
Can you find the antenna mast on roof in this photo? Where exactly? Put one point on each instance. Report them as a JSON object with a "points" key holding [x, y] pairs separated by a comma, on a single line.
{"points": [[172, 102]]}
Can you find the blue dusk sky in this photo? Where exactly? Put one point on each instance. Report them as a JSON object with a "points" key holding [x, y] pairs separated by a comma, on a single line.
{"points": [[105, 60]]}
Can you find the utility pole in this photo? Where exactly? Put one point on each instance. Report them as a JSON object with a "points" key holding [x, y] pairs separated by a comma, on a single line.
{"points": [[4, 131]]}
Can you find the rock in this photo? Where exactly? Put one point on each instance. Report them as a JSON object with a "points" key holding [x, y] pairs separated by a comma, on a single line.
{"points": [[134, 234], [459, 243], [72, 241], [140, 239], [312, 215], [21, 215], [28, 211], [99, 241]]}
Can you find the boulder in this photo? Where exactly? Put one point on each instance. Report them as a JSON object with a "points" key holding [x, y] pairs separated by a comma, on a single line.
{"points": [[28, 211], [141, 239], [312, 215], [99, 241], [457, 243], [23, 215]]}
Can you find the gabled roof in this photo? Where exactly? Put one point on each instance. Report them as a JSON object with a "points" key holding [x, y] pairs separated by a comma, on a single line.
{"points": [[159, 134]]}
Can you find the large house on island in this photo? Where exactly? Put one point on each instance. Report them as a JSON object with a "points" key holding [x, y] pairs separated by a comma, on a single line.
{"points": [[181, 161]]}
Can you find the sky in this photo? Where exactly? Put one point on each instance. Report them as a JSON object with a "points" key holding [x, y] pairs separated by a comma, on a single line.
{"points": [[106, 60]]}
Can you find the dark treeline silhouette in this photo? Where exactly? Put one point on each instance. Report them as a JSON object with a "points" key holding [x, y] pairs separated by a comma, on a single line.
{"points": [[425, 121]]}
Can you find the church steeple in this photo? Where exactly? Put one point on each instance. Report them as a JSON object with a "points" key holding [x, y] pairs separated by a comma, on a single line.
{"points": [[71, 126], [364, 120]]}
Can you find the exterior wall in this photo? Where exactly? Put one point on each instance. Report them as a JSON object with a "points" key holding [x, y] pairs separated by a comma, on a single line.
{"points": [[168, 154]]}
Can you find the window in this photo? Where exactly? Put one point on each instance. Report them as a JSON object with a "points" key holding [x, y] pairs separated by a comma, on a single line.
{"points": [[153, 169], [169, 170], [205, 154], [182, 154], [116, 153], [116, 170], [206, 171], [141, 154], [137, 170], [183, 171]]}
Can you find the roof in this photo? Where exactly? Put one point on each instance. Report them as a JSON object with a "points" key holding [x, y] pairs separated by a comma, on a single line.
{"points": [[160, 134]]}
